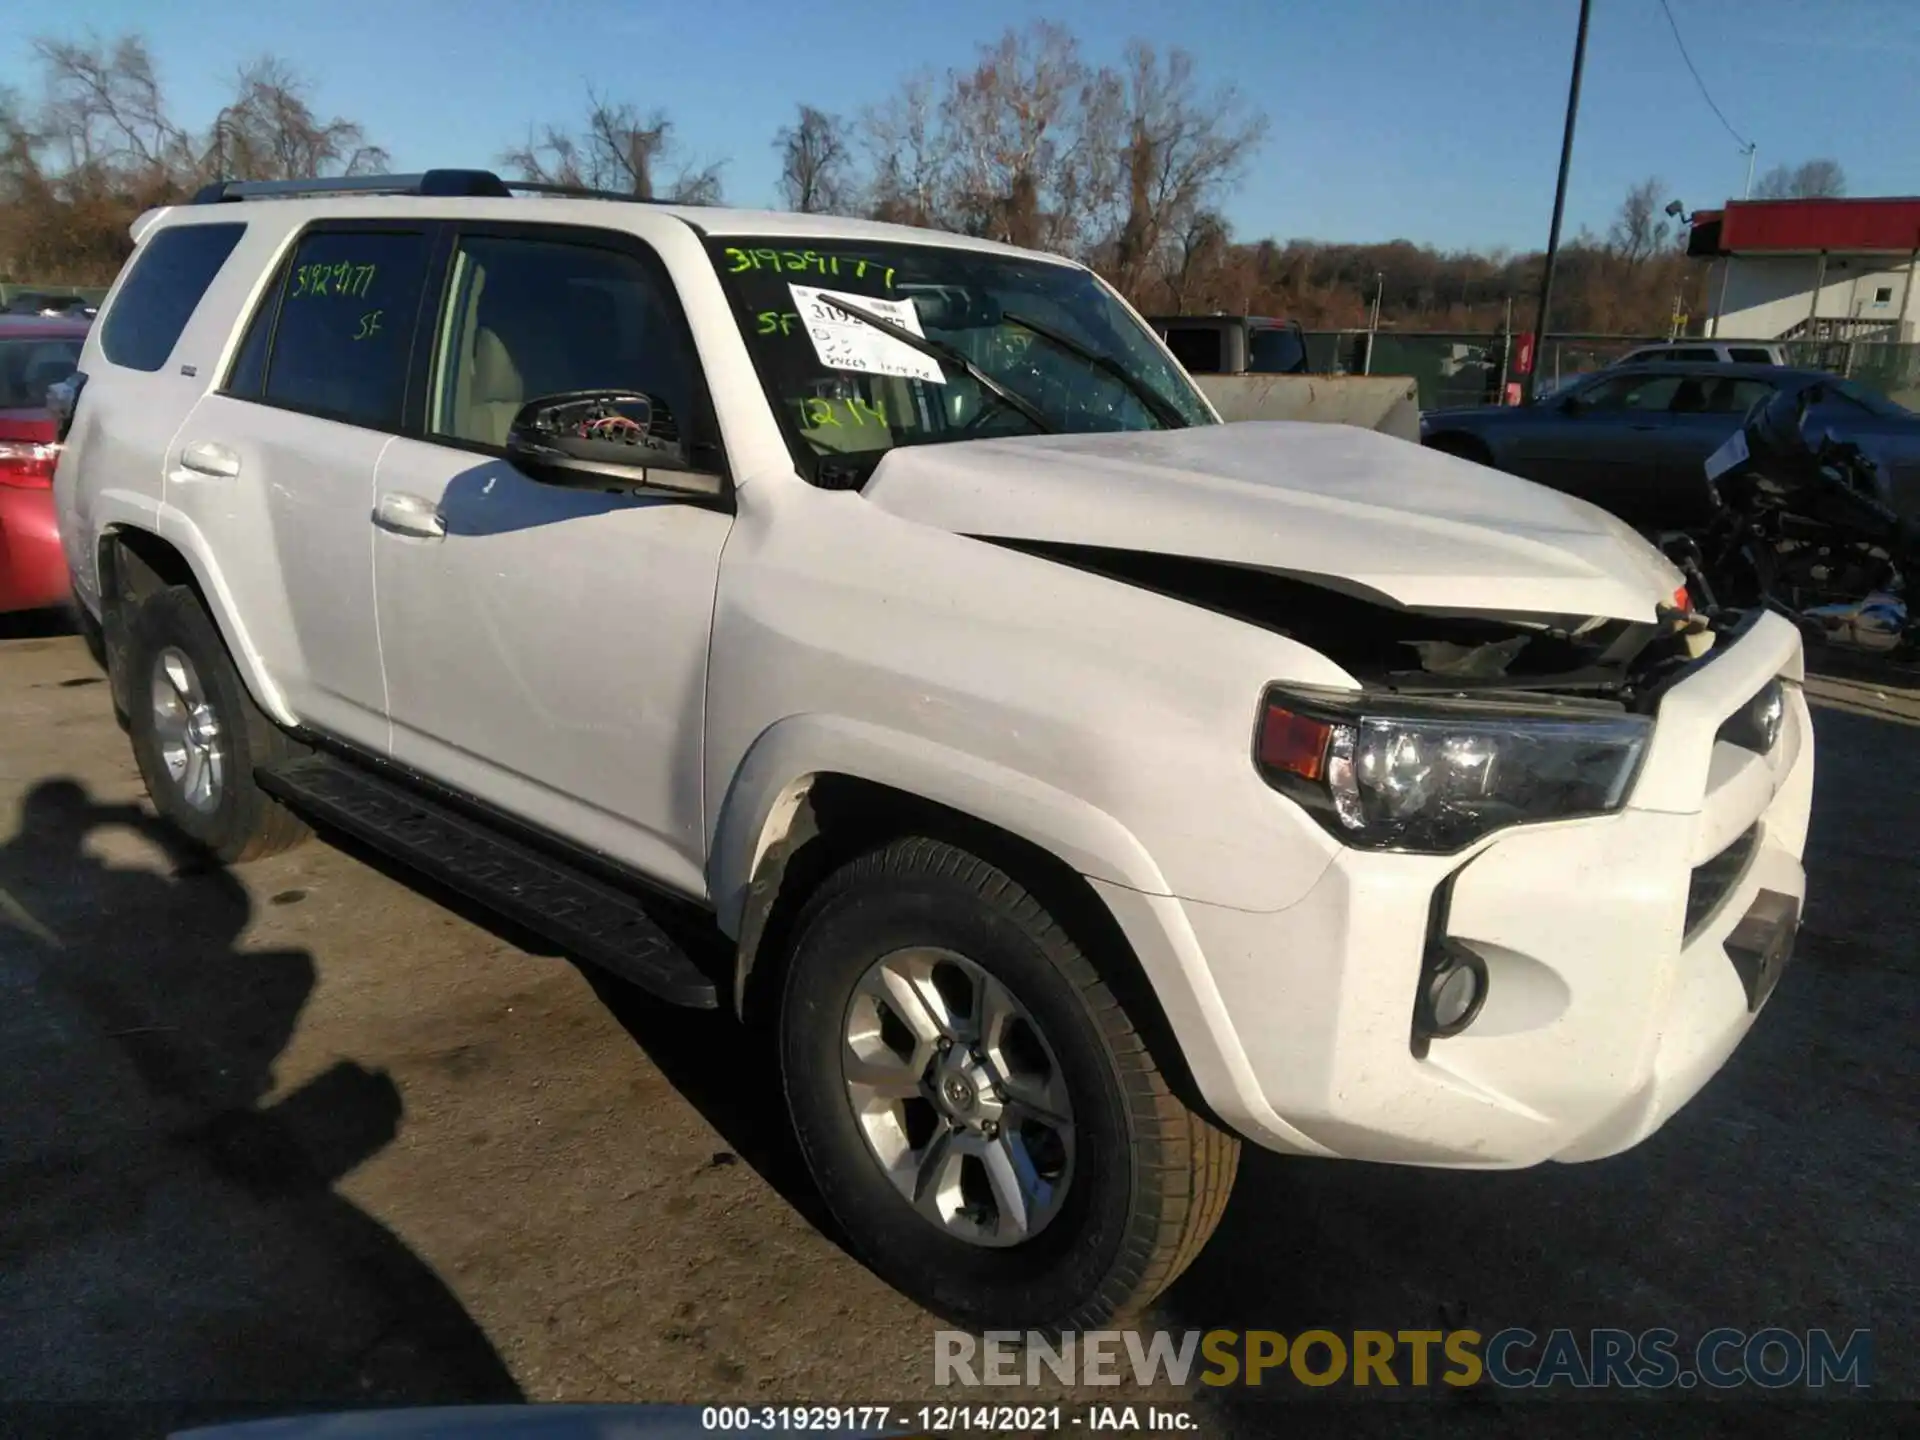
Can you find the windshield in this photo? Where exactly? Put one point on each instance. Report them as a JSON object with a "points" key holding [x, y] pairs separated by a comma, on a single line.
{"points": [[1000, 346]]}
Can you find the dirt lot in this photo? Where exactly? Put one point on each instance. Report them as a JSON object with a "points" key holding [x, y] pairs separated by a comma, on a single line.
{"points": [[304, 1133]]}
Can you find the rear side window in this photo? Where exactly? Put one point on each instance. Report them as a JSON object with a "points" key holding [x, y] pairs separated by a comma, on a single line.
{"points": [[1272, 350], [1688, 353], [1200, 350], [347, 307], [1747, 355], [169, 275]]}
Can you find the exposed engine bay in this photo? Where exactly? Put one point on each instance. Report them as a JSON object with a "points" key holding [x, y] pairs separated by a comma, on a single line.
{"points": [[1620, 663]]}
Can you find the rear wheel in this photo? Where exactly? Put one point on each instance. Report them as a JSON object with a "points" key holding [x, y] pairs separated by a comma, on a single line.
{"points": [[197, 735], [977, 1108]]}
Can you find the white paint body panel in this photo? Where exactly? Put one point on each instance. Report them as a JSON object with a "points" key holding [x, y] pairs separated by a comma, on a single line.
{"points": [[661, 681]]}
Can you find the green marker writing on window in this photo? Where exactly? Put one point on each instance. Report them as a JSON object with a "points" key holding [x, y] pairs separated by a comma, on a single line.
{"points": [[369, 325]]}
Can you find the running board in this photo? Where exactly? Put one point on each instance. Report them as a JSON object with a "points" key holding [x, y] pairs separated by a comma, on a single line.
{"points": [[591, 919]]}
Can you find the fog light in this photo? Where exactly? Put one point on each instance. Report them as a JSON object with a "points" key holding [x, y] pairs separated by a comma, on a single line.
{"points": [[1453, 987]]}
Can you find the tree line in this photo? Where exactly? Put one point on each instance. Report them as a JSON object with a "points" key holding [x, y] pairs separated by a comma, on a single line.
{"points": [[1128, 167]]}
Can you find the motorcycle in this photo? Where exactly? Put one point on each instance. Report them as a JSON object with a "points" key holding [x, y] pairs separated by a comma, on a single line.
{"points": [[1804, 525]]}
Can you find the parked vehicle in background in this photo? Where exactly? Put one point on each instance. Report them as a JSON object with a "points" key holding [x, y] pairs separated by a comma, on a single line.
{"points": [[31, 302], [1079, 784], [1234, 344], [1808, 525], [35, 356], [1253, 368], [1710, 352], [1633, 438]]}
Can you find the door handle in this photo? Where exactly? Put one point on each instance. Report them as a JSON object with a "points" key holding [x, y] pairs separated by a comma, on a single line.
{"points": [[409, 515], [206, 458]]}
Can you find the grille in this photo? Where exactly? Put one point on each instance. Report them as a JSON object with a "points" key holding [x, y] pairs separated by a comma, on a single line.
{"points": [[1712, 880]]}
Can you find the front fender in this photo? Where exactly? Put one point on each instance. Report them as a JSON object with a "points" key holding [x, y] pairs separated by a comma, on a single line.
{"points": [[780, 765], [765, 797]]}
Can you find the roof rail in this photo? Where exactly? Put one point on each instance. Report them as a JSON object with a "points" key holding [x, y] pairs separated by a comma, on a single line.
{"points": [[427, 182], [576, 192]]}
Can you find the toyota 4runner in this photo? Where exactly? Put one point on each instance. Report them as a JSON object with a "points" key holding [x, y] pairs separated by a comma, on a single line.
{"points": [[1081, 785]]}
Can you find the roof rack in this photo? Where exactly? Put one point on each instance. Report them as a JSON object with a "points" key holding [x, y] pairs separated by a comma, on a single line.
{"points": [[442, 183]]}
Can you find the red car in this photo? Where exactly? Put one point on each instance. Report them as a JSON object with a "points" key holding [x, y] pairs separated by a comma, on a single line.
{"points": [[35, 354]]}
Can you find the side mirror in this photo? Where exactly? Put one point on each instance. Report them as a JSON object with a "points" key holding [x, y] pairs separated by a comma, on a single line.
{"points": [[605, 440], [1568, 404]]}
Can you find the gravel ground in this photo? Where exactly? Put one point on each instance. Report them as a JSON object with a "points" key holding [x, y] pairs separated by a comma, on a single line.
{"points": [[306, 1134]]}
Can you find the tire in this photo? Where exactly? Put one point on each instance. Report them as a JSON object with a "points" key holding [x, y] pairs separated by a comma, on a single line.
{"points": [[1147, 1179], [230, 816]]}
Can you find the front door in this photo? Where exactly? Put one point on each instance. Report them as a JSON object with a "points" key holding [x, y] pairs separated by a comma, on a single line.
{"points": [[546, 647]]}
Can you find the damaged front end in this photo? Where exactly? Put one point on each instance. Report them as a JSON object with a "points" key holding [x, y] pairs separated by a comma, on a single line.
{"points": [[1575, 661]]}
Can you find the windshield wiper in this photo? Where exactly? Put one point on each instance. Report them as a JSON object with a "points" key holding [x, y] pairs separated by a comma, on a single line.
{"points": [[938, 350], [1163, 409]]}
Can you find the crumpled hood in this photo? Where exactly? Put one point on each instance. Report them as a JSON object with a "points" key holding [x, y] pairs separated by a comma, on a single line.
{"points": [[1350, 508]]}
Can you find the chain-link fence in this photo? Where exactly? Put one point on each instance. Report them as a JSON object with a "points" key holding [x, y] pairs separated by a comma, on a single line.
{"points": [[1462, 368]]}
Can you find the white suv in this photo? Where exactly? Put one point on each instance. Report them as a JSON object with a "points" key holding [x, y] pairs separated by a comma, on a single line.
{"points": [[1081, 783]]}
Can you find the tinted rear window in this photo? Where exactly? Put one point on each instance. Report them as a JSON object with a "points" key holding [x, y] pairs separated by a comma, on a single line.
{"points": [[170, 274], [1199, 349], [28, 365], [1747, 355], [1272, 350]]}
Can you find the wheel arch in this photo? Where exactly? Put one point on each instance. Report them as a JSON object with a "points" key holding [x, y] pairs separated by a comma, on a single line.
{"points": [[134, 560], [785, 828]]}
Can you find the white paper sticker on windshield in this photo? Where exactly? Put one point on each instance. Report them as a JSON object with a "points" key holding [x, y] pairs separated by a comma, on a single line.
{"points": [[1732, 452], [844, 343]]}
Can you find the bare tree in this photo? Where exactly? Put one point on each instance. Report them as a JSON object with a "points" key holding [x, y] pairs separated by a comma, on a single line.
{"points": [[1201, 249], [102, 146], [619, 151], [270, 132], [1809, 180], [104, 107], [1640, 229], [908, 155], [816, 160], [1013, 123], [1181, 147]]}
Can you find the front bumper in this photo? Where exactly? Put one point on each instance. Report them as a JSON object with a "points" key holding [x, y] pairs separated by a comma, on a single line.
{"points": [[1606, 1009]]}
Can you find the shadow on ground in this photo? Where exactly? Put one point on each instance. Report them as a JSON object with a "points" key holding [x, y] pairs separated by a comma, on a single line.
{"points": [[1782, 1196], [166, 1233]]}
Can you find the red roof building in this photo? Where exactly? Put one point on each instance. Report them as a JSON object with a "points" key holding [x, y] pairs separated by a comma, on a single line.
{"points": [[1810, 269]]}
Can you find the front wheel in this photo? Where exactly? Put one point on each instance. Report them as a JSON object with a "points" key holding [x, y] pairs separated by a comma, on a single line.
{"points": [[978, 1110]]}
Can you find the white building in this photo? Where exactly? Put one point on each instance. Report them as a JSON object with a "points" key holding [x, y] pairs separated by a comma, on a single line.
{"points": [[1811, 269]]}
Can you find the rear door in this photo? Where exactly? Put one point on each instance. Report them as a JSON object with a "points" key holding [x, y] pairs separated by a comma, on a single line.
{"points": [[275, 468], [1703, 411]]}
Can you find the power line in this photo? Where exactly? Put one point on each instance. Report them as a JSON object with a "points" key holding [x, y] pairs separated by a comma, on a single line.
{"points": [[1673, 25]]}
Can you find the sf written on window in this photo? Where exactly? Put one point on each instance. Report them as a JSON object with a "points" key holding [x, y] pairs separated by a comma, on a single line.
{"points": [[345, 326]]}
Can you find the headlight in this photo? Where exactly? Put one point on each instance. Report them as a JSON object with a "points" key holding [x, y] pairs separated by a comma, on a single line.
{"points": [[1435, 775]]}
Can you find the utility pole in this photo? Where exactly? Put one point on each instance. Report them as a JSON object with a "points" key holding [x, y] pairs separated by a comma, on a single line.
{"points": [[1559, 196], [1747, 193]]}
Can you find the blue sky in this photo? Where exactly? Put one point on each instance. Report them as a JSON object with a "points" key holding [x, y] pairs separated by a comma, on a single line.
{"points": [[1434, 120]]}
